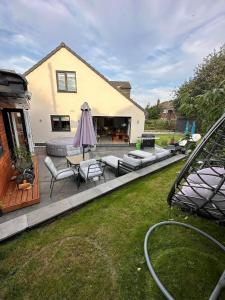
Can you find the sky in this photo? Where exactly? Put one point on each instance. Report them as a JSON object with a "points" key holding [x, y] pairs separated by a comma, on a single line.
{"points": [[154, 44]]}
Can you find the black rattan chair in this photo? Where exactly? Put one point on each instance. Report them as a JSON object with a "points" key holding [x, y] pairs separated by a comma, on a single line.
{"points": [[200, 186]]}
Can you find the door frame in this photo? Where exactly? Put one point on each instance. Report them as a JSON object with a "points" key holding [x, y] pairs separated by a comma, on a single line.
{"points": [[7, 125]]}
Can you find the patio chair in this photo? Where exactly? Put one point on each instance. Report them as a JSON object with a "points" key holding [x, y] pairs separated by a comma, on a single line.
{"points": [[71, 151], [91, 170], [58, 174]]}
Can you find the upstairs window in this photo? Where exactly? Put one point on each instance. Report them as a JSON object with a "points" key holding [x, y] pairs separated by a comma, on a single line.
{"points": [[60, 123], [66, 81]]}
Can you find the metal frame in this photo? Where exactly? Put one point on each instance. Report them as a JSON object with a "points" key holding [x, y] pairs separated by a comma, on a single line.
{"points": [[122, 166], [92, 169], [54, 178], [66, 85], [208, 159]]}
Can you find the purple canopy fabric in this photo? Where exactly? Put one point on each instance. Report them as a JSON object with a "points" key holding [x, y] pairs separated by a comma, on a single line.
{"points": [[85, 134]]}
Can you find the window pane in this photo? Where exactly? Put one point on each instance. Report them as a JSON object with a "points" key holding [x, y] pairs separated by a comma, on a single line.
{"points": [[61, 81], [65, 125], [56, 125], [60, 123], [55, 118], [65, 118], [71, 82]]}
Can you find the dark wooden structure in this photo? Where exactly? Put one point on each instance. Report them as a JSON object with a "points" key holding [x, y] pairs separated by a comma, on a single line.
{"points": [[14, 103]]}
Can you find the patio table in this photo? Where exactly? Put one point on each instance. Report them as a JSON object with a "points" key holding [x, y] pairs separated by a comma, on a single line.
{"points": [[76, 159]]}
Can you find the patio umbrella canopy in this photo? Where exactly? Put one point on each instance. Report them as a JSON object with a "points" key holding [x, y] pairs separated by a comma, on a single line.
{"points": [[85, 134]]}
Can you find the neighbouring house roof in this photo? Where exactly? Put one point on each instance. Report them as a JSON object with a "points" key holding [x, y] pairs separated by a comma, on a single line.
{"points": [[63, 45], [167, 105], [121, 84]]}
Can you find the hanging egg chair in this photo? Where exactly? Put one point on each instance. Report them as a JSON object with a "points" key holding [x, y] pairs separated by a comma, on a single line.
{"points": [[200, 186]]}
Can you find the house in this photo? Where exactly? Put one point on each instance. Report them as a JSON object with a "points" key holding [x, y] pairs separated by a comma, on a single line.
{"points": [[167, 110], [14, 133], [61, 82]]}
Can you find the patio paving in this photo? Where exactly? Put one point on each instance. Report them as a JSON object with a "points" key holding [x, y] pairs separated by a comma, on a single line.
{"points": [[29, 219], [65, 188]]}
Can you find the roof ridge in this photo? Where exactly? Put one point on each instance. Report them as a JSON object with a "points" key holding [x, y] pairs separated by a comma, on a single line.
{"points": [[63, 45]]}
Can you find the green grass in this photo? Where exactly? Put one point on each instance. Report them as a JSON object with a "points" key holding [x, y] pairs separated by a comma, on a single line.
{"points": [[164, 139], [96, 252]]}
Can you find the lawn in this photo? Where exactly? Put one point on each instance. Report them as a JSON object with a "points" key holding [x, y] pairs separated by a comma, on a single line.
{"points": [[96, 252], [164, 138]]}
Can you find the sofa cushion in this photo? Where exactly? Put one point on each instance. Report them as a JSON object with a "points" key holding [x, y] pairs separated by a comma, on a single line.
{"points": [[140, 153], [134, 162], [163, 153], [111, 160], [148, 159]]}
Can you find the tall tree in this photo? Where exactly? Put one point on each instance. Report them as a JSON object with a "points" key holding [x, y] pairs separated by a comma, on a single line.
{"points": [[202, 97], [153, 112]]}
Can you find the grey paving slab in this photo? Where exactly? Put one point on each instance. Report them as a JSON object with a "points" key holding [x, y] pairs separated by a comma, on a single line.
{"points": [[12, 227], [45, 213], [53, 209], [109, 186], [83, 197], [129, 177]]}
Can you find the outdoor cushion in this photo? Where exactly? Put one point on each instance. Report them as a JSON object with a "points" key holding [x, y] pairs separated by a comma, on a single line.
{"points": [[159, 149], [64, 173], [196, 191], [70, 150], [148, 159], [94, 171], [111, 160], [163, 153], [207, 175], [58, 174], [86, 163], [50, 165], [140, 153], [135, 162]]}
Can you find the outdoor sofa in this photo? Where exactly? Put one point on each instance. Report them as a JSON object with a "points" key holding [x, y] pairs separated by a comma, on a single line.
{"points": [[135, 160]]}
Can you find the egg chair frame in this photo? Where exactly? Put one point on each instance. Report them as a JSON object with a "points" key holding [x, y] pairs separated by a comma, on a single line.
{"points": [[200, 186]]}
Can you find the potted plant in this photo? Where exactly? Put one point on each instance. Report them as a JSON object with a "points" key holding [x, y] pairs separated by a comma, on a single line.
{"points": [[24, 165], [22, 160]]}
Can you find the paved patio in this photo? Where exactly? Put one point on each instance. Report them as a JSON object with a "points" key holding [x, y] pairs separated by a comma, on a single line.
{"points": [[66, 188], [30, 219]]}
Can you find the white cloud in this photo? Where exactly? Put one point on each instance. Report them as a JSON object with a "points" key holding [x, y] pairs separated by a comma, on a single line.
{"points": [[152, 95], [17, 63], [155, 44]]}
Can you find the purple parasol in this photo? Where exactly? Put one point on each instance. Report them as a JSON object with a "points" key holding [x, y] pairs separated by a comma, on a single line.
{"points": [[85, 134]]}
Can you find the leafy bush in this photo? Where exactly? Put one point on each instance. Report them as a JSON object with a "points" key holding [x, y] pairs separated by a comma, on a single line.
{"points": [[160, 125], [203, 96], [22, 159], [153, 112]]}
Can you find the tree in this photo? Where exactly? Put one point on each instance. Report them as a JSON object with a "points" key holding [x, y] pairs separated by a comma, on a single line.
{"points": [[153, 112], [202, 97]]}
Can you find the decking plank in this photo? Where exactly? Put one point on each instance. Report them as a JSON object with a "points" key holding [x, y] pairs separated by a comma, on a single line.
{"points": [[15, 199]]}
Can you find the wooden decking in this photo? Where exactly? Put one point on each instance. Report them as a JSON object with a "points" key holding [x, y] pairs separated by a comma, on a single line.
{"points": [[15, 199]]}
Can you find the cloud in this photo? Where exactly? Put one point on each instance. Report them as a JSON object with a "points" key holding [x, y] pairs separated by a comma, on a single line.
{"points": [[150, 96], [18, 63], [155, 44]]}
